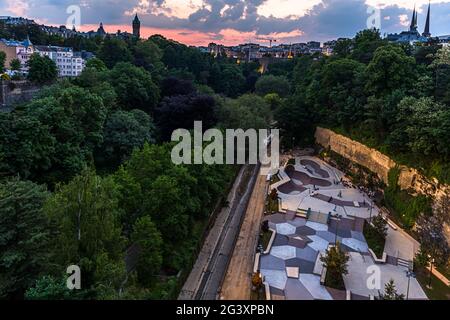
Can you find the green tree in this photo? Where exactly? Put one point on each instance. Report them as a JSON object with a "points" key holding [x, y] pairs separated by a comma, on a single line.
{"points": [[42, 69], [272, 84], [51, 288], [2, 61], [335, 260], [343, 86], [365, 44], [86, 214], [431, 232], [75, 119], [26, 145], [441, 69], [123, 132], [24, 236], [297, 121], [380, 225], [96, 64], [147, 55], [15, 65], [247, 111], [390, 69], [227, 79], [343, 48], [147, 237], [114, 50], [134, 87], [390, 292], [274, 100], [425, 124]]}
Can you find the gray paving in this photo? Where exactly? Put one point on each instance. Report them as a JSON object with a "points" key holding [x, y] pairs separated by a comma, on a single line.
{"points": [[273, 263], [299, 246]]}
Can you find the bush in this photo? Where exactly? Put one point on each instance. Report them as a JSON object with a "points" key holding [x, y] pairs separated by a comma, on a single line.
{"points": [[404, 206], [375, 239]]}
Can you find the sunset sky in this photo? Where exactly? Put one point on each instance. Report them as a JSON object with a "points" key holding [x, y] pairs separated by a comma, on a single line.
{"points": [[198, 22]]}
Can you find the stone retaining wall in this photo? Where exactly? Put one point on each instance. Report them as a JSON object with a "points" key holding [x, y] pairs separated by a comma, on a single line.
{"points": [[410, 179], [14, 92], [377, 162]]}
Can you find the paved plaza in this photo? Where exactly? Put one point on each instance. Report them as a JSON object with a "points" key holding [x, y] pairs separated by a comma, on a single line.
{"points": [[312, 195]]}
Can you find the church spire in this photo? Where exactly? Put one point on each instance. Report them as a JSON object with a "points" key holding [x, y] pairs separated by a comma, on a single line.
{"points": [[426, 32], [413, 26]]}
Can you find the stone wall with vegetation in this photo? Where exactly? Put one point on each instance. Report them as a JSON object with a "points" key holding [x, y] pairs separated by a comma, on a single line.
{"points": [[15, 92], [409, 178]]}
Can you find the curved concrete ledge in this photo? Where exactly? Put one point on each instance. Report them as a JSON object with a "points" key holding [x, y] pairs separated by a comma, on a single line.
{"points": [[256, 264], [272, 239], [348, 295], [376, 259], [267, 290], [323, 276]]}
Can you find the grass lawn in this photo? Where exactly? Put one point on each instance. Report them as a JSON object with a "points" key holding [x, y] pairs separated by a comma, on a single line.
{"points": [[439, 290], [374, 240]]}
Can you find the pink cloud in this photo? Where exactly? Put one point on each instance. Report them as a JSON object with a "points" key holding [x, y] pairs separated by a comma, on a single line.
{"points": [[196, 38]]}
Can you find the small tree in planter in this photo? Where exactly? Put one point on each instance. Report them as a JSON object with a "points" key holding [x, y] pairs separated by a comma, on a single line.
{"points": [[265, 226], [257, 281], [335, 260], [273, 201], [380, 225], [376, 234], [274, 195], [390, 292]]}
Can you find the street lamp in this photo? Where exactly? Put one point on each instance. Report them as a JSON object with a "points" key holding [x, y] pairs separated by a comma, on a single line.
{"points": [[409, 274], [431, 257], [431, 271]]}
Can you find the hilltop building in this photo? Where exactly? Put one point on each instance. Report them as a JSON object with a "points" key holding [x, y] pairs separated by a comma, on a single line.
{"points": [[66, 32], [412, 35], [21, 50], [16, 20], [68, 62], [136, 27]]}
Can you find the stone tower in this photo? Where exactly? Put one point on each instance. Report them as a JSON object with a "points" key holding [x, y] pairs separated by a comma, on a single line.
{"points": [[136, 27]]}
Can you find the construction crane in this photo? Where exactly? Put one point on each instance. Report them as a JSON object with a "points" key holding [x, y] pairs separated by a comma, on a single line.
{"points": [[268, 39]]}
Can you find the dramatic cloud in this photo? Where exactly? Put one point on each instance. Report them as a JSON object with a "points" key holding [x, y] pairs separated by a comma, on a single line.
{"points": [[231, 21]]}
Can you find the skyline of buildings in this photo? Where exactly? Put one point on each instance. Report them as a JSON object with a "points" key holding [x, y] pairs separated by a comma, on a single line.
{"points": [[232, 23], [68, 62], [71, 63]]}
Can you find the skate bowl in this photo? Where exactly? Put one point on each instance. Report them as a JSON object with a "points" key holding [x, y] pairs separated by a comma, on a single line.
{"points": [[315, 167], [305, 179], [291, 188]]}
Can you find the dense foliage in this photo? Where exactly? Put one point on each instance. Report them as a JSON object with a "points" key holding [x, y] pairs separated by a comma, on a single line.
{"points": [[388, 96], [100, 143], [85, 167]]}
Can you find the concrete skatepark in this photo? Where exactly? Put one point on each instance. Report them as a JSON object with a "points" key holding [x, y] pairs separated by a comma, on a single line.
{"points": [[316, 210]]}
